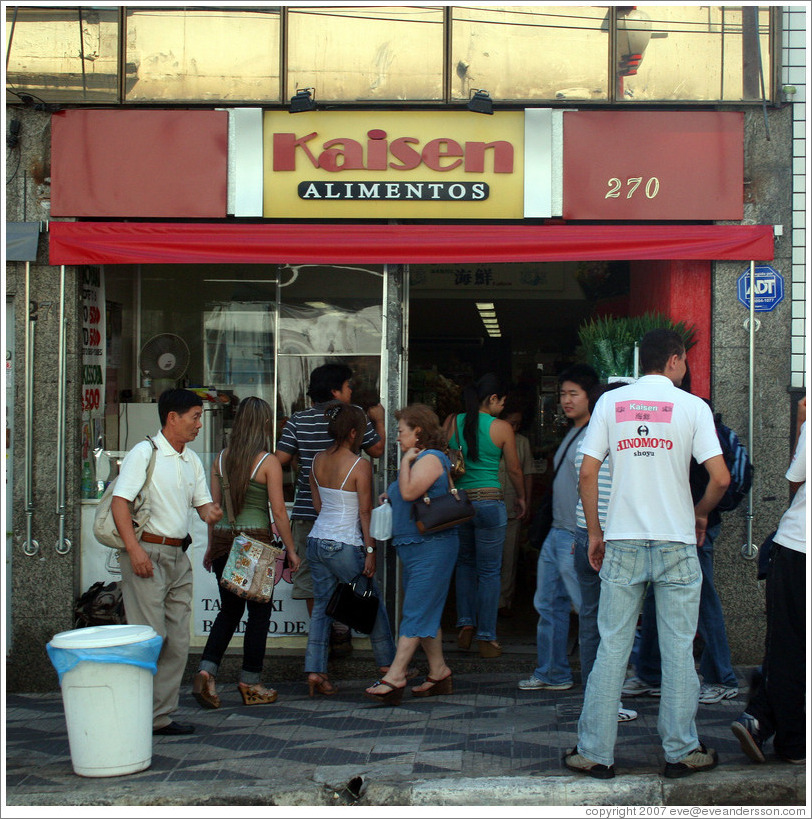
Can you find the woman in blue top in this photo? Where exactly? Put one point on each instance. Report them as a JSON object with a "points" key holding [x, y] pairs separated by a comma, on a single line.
{"points": [[427, 559], [484, 440]]}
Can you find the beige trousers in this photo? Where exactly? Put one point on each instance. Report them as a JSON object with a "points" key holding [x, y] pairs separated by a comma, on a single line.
{"points": [[163, 601]]}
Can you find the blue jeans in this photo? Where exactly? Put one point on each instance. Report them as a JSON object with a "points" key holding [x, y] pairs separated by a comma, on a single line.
{"points": [[556, 590], [331, 563], [590, 583], [628, 566], [479, 567], [715, 665]]}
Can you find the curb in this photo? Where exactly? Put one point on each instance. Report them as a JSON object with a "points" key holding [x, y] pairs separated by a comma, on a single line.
{"points": [[770, 785]]}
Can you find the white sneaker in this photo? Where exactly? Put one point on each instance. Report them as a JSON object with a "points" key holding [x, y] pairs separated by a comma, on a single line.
{"points": [[626, 714], [535, 684], [635, 687], [709, 694]]}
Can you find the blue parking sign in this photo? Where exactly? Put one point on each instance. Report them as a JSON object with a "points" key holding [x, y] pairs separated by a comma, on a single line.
{"points": [[769, 287]]}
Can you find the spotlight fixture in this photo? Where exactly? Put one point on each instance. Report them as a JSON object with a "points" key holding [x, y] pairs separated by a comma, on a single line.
{"points": [[481, 102], [302, 100]]}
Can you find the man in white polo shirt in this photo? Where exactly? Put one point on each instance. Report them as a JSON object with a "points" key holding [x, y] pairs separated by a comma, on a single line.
{"points": [[650, 430], [156, 575]]}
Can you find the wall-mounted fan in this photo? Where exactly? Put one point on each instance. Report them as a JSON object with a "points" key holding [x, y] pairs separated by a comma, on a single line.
{"points": [[164, 357]]}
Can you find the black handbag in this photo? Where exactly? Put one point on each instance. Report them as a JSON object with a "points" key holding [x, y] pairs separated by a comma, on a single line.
{"points": [[543, 519], [444, 511], [355, 604]]}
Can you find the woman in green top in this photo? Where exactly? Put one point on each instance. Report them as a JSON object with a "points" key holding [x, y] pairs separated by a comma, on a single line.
{"points": [[255, 481], [484, 440]]}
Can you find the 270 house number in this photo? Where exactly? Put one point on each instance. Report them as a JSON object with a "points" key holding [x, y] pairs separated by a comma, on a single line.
{"points": [[651, 189]]}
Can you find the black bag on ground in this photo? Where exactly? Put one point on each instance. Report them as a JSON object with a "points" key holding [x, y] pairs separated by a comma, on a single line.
{"points": [[100, 605], [355, 604]]}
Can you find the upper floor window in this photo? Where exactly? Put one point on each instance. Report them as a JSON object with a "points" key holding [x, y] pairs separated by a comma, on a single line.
{"points": [[391, 54]]}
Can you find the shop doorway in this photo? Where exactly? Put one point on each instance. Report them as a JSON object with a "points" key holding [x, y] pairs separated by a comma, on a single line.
{"points": [[539, 309]]}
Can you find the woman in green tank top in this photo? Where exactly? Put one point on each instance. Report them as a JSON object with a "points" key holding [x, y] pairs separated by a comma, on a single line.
{"points": [[484, 440], [254, 477]]}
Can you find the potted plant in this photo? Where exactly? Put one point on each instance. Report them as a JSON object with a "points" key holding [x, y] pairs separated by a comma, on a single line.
{"points": [[607, 343]]}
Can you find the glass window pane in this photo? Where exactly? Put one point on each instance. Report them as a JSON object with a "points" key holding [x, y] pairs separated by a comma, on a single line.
{"points": [[530, 52], [224, 55], [370, 53], [694, 53], [62, 55]]}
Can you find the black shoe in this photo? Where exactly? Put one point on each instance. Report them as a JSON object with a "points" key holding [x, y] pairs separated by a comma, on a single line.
{"points": [[174, 729]]}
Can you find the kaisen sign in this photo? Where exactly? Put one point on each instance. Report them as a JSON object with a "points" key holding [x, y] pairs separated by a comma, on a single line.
{"points": [[393, 164]]}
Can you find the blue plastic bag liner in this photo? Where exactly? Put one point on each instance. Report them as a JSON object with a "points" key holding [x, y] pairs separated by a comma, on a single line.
{"points": [[133, 645]]}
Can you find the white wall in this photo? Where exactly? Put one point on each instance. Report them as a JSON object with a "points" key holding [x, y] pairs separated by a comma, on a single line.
{"points": [[794, 73]]}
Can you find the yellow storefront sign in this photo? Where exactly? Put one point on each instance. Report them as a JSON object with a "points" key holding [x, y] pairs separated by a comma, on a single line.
{"points": [[393, 165]]}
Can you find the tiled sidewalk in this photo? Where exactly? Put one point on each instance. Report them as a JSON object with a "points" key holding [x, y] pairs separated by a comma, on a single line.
{"points": [[487, 728]]}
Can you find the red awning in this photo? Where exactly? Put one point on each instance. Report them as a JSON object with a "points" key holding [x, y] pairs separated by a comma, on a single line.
{"points": [[241, 243]]}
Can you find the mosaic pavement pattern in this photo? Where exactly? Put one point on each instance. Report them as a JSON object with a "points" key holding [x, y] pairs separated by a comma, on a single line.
{"points": [[486, 728]]}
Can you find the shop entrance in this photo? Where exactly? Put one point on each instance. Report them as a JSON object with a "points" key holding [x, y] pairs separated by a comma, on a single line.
{"points": [[539, 309]]}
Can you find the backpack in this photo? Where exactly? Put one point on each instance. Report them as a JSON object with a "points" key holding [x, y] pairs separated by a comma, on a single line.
{"points": [[738, 463], [100, 605]]}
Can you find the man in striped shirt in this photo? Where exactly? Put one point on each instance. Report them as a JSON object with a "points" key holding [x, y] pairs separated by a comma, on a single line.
{"points": [[304, 436]]}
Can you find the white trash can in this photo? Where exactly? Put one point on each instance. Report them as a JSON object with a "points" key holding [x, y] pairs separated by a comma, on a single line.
{"points": [[106, 677]]}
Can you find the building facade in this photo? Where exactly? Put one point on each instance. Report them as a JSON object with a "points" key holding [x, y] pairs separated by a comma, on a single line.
{"points": [[171, 220]]}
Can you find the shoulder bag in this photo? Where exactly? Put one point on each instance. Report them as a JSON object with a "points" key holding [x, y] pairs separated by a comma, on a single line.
{"points": [[543, 519], [250, 570], [355, 604], [104, 527], [444, 511]]}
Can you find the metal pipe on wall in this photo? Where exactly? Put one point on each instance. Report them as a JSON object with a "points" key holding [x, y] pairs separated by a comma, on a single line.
{"points": [[749, 549], [30, 546], [63, 545]]}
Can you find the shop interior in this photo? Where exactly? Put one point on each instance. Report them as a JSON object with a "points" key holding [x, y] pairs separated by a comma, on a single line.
{"points": [[255, 330]]}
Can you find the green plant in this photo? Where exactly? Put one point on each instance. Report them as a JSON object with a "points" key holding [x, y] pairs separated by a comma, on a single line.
{"points": [[607, 343]]}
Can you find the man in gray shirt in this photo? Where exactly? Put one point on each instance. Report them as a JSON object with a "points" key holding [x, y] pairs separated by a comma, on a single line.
{"points": [[557, 588]]}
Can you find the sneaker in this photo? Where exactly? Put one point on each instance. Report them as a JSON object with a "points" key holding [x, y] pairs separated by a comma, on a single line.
{"points": [[700, 759], [535, 684], [626, 714], [635, 687], [580, 764], [747, 730], [708, 694]]}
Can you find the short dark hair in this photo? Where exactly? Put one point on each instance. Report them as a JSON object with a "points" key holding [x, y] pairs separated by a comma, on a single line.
{"points": [[581, 374], [599, 389], [657, 346], [179, 401], [325, 379]]}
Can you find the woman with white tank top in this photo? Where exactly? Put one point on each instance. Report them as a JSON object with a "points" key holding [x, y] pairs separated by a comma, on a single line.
{"points": [[340, 546]]}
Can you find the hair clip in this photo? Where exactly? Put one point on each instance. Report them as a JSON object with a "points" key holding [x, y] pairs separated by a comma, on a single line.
{"points": [[332, 412]]}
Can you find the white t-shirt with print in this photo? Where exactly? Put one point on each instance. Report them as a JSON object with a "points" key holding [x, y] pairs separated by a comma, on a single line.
{"points": [[792, 529], [650, 430]]}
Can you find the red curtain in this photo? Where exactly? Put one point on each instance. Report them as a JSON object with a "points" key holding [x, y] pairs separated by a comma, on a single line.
{"points": [[336, 243]]}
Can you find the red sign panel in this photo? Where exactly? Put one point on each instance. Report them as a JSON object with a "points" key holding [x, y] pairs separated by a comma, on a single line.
{"points": [[653, 165], [169, 164]]}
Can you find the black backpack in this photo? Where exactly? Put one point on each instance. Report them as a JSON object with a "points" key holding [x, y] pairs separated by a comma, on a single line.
{"points": [[738, 464], [100, 605]]}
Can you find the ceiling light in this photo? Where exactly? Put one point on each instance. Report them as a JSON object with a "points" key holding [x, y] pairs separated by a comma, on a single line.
{"points": [[485, 305], [487, 313]]}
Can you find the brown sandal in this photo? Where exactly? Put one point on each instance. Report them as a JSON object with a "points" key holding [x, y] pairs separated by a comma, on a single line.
{"points": [[466, 637], [489, 649], [438, 687], [257, 694], [322, 685], [203, 690], [391, 697]]}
